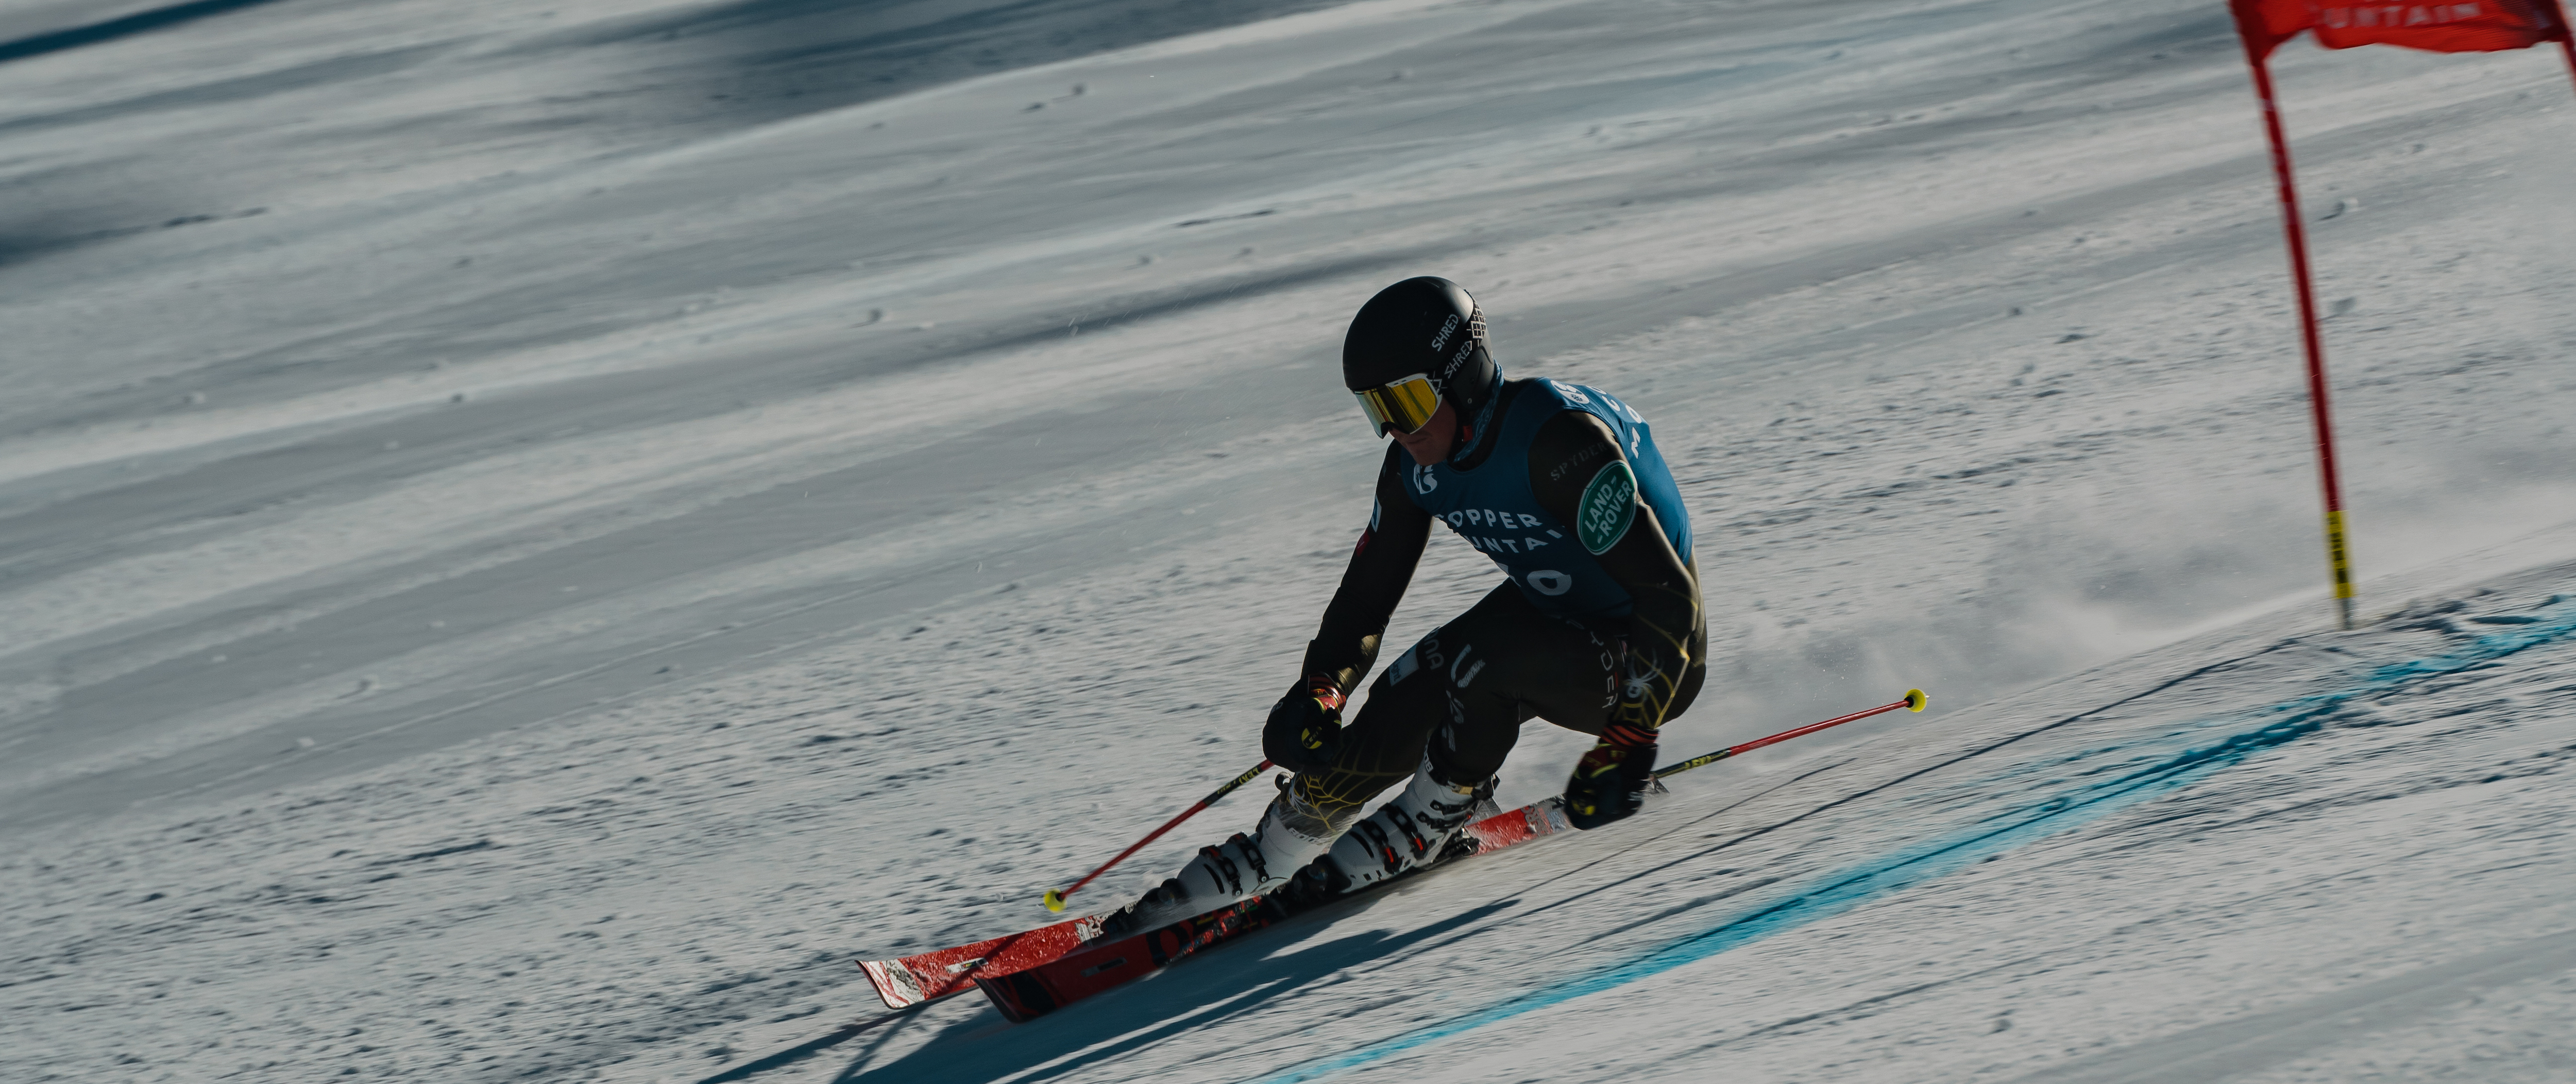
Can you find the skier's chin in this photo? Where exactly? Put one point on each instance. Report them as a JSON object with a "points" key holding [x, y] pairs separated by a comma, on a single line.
{"points": [[1424, 453]]}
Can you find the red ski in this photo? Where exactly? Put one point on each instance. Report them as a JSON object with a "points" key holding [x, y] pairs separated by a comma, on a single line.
{"points": [[1031, 973], [930, 976], [1027, 993]]}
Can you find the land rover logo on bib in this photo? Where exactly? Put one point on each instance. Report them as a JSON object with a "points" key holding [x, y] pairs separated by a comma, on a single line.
{"points": [[1609, 506]]}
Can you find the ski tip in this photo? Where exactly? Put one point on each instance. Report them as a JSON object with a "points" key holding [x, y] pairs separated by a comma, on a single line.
{"points": [[1914, 699], [1055, 899], [895, 983]]}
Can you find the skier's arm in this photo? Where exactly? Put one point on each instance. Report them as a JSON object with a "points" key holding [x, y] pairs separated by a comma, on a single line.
{"points": [[1305, 726], [1571, 452], [1380, 569]]}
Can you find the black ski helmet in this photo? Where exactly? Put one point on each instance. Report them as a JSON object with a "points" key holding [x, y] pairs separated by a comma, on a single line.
{"points": [[1426, 325]]}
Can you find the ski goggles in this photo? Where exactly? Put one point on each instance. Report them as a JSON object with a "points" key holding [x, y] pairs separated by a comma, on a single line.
{"points": [[1400, 406]]}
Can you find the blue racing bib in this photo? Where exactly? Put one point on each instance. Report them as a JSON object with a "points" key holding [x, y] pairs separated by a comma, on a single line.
{"points": [[1493, 508]]}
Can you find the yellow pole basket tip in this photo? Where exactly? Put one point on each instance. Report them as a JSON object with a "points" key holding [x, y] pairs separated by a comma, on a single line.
{"points": [[1054, 900], [1914, 699]]}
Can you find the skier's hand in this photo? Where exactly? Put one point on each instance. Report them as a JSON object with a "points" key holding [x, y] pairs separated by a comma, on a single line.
{"points": [[1610, 781], [1305, 727]]}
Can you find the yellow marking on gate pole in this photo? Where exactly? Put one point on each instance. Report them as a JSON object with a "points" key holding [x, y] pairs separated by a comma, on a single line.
{"points": [[2339, 557]]}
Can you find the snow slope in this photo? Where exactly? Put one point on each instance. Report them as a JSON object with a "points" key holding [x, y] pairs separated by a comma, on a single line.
{"points": [[529, 537]]}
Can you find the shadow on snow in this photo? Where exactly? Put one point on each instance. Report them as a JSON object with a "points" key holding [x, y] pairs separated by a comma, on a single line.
{"points": [[1224, 984]]}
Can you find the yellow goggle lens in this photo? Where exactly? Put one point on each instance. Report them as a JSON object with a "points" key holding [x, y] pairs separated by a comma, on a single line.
{"points": [[1402, 406]]}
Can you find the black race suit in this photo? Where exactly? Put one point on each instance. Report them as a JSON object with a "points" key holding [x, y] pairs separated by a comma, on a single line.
{"points": [[1462, 692]]}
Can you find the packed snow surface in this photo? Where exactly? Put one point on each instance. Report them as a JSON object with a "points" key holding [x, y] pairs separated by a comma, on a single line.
{"points": [[532, 535]]}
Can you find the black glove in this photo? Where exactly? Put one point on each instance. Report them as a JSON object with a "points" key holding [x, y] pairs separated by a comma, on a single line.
{"points": [[1305, 727], [1610, 781]]}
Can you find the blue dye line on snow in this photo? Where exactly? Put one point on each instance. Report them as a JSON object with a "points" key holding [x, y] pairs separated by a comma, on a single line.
{"points": [[1840, 891]]}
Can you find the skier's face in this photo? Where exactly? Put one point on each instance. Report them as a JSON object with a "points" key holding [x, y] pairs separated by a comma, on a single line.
{"points": [[1431, 443]]}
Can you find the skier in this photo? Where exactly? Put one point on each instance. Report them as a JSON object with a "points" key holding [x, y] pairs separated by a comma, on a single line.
{"points": [[1599, 628]]}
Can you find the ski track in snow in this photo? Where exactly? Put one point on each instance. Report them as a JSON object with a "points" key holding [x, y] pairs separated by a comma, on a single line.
{"points": [[529, 537]]}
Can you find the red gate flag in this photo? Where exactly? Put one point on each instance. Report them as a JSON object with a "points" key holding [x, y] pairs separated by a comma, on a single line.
{"points": [[2473, 26]]}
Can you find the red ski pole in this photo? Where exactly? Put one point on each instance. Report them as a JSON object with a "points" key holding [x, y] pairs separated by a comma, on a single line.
{"points": [[1914, 699], [1055, 899]]}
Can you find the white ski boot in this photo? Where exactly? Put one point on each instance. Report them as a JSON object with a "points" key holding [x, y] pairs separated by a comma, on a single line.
{"points": [[1412, 831], [1292, 833]]}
